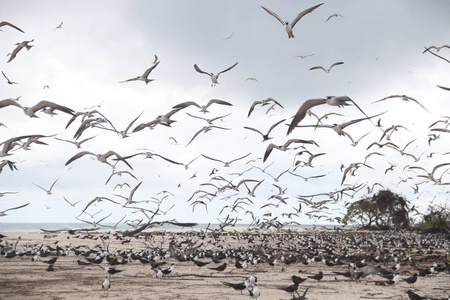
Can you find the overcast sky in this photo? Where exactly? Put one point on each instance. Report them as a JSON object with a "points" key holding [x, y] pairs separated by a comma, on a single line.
{"points": [[101, 43]]}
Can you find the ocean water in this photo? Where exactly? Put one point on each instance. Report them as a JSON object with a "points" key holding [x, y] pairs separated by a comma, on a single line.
{"points": [[65, 226]]}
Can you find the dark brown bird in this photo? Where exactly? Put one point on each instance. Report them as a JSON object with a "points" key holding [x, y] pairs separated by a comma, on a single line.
{"points": [[317, 277], [412, 279], [297, 280], [220, 268]]}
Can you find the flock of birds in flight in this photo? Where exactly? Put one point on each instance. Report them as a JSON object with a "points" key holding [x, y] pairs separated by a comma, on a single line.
{"points": [[219, 182]]}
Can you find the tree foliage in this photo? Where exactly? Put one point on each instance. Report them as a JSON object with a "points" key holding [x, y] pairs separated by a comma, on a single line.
{"points": [[383, 210]]}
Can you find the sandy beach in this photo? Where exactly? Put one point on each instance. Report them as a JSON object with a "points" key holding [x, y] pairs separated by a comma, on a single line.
{"points": [[280, 255]]}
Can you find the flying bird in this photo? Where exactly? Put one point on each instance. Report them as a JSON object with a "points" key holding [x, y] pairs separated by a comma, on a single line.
{"points": [[3, 213], [304, 56], [214, 77], [203, 108], [19, 47], [404, 98], [332, 16], [226, 164], [100, 157], [59, 26], [266, 136], [48, 191], [263, 102], [290, 26], [9, 81], [4, 23], [329, 69], [339, 101], [143, 77], [284, 147]]}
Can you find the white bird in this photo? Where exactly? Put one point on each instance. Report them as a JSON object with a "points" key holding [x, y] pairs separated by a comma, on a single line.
{"points": [[159, 274], [304, 56], [46, 106], [290, 26], [284, 147], [143, 77], [205, 129], [263, 103], [19, 47], [254, 291], [214, 77], [106, 285], [228, 163], [329, 69], [266, 136], [334, 15], [100, 157], [49, 191], [404, 98], [203, 108], [59, 26], [4, 23]]}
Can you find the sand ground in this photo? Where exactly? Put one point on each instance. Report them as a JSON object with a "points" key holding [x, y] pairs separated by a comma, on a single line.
{"points": [[22, 278]]}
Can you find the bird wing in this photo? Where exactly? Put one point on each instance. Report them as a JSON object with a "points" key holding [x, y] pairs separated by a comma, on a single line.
{"points": [[303, 13], [268, 151], [253, 129], [253, 107], [336, 64], [78, 155], [51, 187], [443, 87], [169, 160], [3, 23], [240, 157], [343, 125], [274, 15], [14, 53], [227, 69], [275, 125], [195, 135], [199, 70], [186, 104], [318, 67], [218, 101], [215, 159], [147, 72], [7, 102], [301, 113], [16, 207]]}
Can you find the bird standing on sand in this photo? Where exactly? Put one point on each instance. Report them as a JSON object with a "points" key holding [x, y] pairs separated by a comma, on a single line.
{"points": [[255, 292], [106, 285]]}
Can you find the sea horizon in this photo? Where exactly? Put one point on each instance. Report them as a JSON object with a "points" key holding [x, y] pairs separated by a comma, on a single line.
{"points": [[35, 226]]}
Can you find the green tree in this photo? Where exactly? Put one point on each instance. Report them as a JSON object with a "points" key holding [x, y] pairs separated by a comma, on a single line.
{"points": [[383, 210]]}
